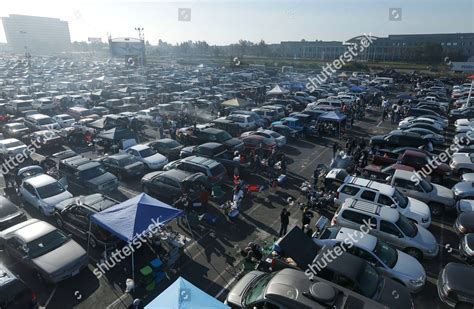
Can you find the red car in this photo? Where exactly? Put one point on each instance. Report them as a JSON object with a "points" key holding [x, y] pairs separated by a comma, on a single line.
{"points": [[254, 142]]}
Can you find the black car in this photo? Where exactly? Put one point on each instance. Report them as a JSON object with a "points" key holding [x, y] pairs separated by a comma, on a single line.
{"points": [[87, 174], [217, 152], [455, 284], [397, 138], [123, 165], [168, 147], [466, 248], [74, 215], [169, 186], [464, 223], [213, 135], [422, 112], [356, 274], [10, 214], [14, 294], [462, 113]]}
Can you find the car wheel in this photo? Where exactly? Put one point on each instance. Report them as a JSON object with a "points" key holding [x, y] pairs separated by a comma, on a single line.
{"points": [[59, 222], [414, 253], [436, 209]]}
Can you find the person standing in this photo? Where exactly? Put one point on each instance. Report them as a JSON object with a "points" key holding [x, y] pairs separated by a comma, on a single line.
{"points": [[284, 221], [335, 148], [307, 216]]}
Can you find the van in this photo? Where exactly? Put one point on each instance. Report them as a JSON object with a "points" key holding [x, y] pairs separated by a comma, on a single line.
{"points": [[19, 106], [383, 195], [44, 104], [388, 225]]}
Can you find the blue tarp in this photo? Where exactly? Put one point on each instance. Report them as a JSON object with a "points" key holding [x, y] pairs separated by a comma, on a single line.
{"points": [[184, 295], [133, 217], [332, 116]]}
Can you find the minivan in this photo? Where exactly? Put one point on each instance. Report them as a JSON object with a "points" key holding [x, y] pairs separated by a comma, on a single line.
{"points": [[383, 195], [388, 225]]}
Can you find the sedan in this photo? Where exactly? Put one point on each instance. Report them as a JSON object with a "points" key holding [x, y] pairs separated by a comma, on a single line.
{"points": [[123, 165], [464, 223], [436, 139], [256, 142], [15, 129], [145, 154], [434, 127], [53, 255], [167, 147], [279, 139]]}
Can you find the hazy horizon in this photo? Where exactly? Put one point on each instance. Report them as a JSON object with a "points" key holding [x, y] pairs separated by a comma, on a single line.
{"points": [[223, 22]]}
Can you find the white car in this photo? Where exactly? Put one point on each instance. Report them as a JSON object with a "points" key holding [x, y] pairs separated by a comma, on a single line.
{"points": [[407, 123], [462, 163], [147, 115], [44, 192], [463, 125], [147, 155], [64, 120], [11, 147], [464, 205], [387, 260], [279, 139]]}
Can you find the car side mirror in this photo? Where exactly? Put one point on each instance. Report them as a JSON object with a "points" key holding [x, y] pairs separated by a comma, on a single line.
{"points": [[393, 206]]}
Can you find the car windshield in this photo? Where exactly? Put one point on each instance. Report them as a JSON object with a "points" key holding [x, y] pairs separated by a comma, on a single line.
{"points": [[386, 253], [126, 161], [222, 137], [18, 126], [147, 152], [7, 208], [93, 172], [13, 144], [406, 226], [256, 291], [368, 281], [45, 243], [171, 144], [401, 199], [50, 189], [427, 187], [44, 121]]}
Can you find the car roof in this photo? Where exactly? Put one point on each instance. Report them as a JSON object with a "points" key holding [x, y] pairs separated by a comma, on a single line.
{"points": [[201, 160], [9, 140], [178, 175], [210, 145], [120, 156], [381, 187], [212, 130], [88, 165], [367, 241], [40, 180], [346, 264], [95, 201], [139, 147], [33, 230], [404, 174], [38, 116]]}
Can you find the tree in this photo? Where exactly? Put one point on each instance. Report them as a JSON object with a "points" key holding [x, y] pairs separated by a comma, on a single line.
{"points": [[262, 48]]}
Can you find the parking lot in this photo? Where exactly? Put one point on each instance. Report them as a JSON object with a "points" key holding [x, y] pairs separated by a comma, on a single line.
{"points": [[212, 260]]}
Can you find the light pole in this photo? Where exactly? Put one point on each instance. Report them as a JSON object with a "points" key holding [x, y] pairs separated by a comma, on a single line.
{"points": [[141, 36]]}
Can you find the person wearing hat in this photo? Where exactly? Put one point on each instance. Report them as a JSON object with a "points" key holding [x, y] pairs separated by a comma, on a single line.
{"points": [[307, 216]]}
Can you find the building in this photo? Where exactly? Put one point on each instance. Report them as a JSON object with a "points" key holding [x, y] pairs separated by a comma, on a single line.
{"points": [[36, 35], [400, 47]]}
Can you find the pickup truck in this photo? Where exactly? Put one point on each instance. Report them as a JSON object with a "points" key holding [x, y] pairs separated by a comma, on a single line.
{"points": [[416, 159]]}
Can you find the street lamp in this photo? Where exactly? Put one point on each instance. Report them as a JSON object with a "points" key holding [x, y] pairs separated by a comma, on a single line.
{"points": [[140, 32]]}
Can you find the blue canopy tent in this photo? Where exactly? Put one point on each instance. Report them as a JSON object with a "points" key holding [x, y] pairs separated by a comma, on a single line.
{"points": [[184, 295], [333, 117], [134, 217]]}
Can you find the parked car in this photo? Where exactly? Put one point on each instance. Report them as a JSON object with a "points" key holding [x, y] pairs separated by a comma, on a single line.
{"points": [[46, 138], [426, 134], [269, 135], [466, 248], [100, 110], [123, 165], [464, 223], [388, 261], [397, 138], [14, 293], [74, 214], [463, 190], [15, 130], [87, 175], [214, 170], [64, 120], [438, 198], [53, 255], [455, 283], [199, 136], [357, 274], [257, 142], [145, 154], [167, 147], [389, 225], [462, 163], [290, 288], [10, 214], [385, 196], [41, 122], [11, 146], [44, 192], [170, 185]]}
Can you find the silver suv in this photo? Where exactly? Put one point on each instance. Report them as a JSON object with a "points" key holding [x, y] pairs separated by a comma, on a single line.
{"points": [[388, 225]]}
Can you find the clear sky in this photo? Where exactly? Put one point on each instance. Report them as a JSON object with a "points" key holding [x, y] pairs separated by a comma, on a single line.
{"points": [[227, 21]]}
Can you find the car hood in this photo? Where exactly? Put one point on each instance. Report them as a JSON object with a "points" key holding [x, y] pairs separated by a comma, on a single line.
{"points": [[466, 205], [235, 296], [394, 295], [409, 266], [417, 207], [232, 142], [56, 199], [17, 149], [442, 192], [460, 158], [134, 166], [104, 178], [466, 219], [378, 138], [463, 187], [60, 257], [425, 238]]}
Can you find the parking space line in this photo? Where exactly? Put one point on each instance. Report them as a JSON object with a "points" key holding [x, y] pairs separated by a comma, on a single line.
{"points": [[227, 285], [50, 297]]}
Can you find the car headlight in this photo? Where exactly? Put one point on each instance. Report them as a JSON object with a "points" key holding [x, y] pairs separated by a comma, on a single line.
{"points": [[424, 220], [431, 251], [417, 282]]}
